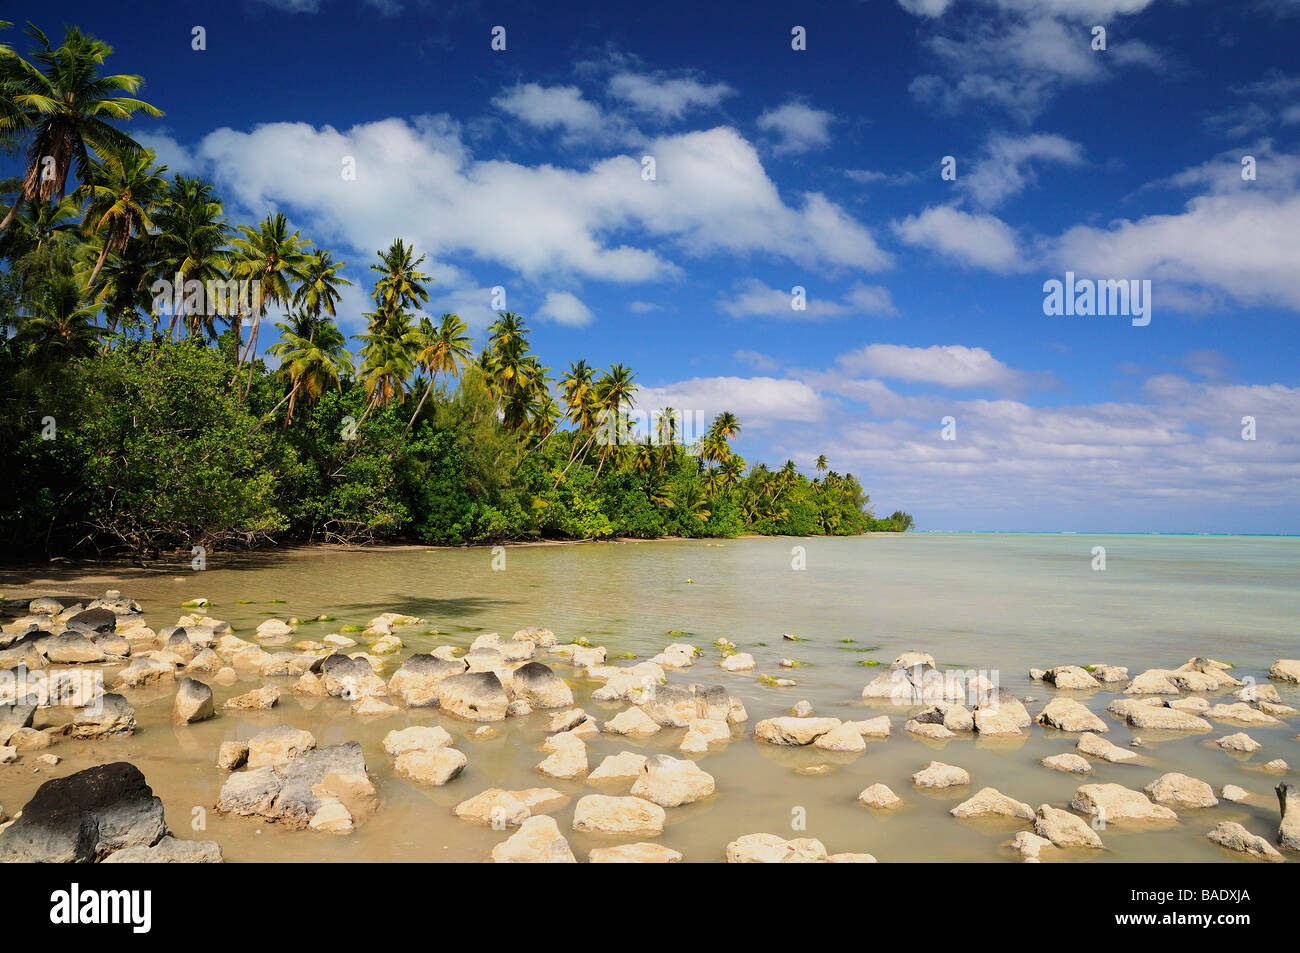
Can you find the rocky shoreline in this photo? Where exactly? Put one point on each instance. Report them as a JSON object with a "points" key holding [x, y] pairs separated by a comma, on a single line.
{"points": [[72, 673]]}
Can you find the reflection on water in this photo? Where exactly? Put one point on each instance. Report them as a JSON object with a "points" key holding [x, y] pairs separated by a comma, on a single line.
{"points": [[991, 602]]}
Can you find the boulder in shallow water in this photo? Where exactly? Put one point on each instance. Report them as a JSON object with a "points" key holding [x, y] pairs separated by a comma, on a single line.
{"points": [[538, 841], [540, 687], [71, 647], [474, 696], [1239, 742], [671, 782], [1098, 747], [632, 722], [293, 794], [990, 802], [879, 796], [434, 766], [640, 853], [771, 849], [96, 621], [416, 738], [632, 816], [936, 775], [789, 730], [107, 716], [193, 702], [1178, 791], [278, 745], [169, 850], [1232, 836], [1064, 829], [86, 816], [1288, 832], [259, 699], [1066, 714], [1114, 802], [1285, 670], [232, 755], [1072, 763], [146, 670], [501, 809]]}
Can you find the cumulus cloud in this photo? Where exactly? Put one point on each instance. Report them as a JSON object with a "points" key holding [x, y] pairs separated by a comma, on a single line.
{"points": [[601, 221], [978, 240], [664, 97], [565, 308], [951, 365], [552, 107], [796, 128], [758, 401]]}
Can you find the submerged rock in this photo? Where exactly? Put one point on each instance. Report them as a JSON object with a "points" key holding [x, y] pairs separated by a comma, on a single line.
{"points": [[169, 850], [771, 849], [501, 809], [540, 687], [990, 802], [879, 796], [1178, 790], [1064, 829], [1072, 763], [671, 782], [293, 794], [538, 841], [642, 853], [633, 816], [937, 775], [260, 699], [1232, 836], [789, 730], [1114, 802], [1066, 714], [1096, 747]]}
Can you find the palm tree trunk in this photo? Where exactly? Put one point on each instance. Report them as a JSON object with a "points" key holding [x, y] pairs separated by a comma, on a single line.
{"points": [[99, 263], [423, 398]]}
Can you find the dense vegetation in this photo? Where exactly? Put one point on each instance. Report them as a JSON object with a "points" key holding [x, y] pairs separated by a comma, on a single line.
{"points": [[139, 417]]}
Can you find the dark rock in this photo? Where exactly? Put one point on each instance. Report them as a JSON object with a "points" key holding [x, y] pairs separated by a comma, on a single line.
{"points": [[540, 687], [97, 621], [85, 816]]}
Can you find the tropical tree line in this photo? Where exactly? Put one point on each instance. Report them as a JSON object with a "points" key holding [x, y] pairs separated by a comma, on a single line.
{"points": [[143, 412]]}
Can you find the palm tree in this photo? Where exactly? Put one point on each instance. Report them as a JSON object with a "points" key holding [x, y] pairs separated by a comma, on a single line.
{"points": [[269, 257], [62, 98], [319, 290], [192, 245], [822, 464], [121, 193], [387, 359], [402, 284], [693, 500], [63, 325], [311, 364], [42, 238], [725, 425], [614, 391], [443, 350]]}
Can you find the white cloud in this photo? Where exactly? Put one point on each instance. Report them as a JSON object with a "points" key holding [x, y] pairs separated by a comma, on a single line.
{"points": [[797, 128], [982, 241], [1005, 168], [757, 401], [601, 221], [1018, 55], [753, 298], [952, 365], [663, 97], [565, 308], [552, 107], [644, 307]]}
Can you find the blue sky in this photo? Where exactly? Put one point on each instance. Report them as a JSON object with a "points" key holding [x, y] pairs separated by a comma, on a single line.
{"points": [[819, 168]]}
